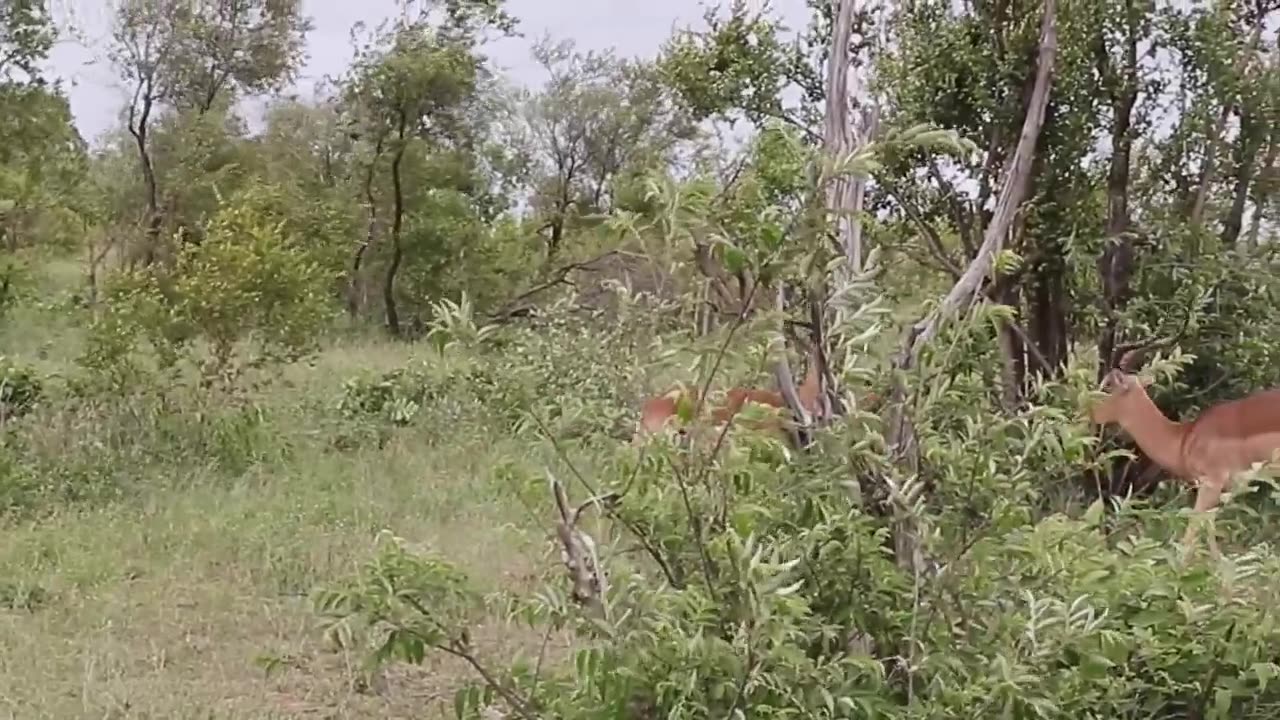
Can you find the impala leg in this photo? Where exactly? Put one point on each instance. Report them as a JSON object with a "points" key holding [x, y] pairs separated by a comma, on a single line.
{"points": [[1207, 496]]}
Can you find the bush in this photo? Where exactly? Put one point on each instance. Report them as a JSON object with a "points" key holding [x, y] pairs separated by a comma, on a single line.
{"points": [[759, 583], [20, 389], [251, 291]]}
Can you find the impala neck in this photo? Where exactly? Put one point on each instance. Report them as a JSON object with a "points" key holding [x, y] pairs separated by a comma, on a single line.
{"points": [[1159, 437]]}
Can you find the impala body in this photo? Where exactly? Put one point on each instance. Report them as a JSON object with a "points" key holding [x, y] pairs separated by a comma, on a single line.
{"points": [[1209, 451], [657, 412]]}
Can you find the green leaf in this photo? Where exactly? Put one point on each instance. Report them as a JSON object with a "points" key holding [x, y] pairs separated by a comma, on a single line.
{"points": [[1221, 710], [1093, 515], [734, 259]]}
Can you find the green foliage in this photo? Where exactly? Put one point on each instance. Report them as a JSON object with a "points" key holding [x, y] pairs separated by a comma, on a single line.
{"points": [[741, 64], [26, 37], [20, 389], [568, 376], [415, 603], [41, 166], [195, 55], [769, 587], [740, 577], [251, 278], [597, 123], [253, 292]]}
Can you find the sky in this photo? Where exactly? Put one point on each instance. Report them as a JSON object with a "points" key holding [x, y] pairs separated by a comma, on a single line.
{"points": [[632, 28]]}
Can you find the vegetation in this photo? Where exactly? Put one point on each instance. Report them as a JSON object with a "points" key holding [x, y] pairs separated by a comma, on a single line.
{"points": [[334, 417]]}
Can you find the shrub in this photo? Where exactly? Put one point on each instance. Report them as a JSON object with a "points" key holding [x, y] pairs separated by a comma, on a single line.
{"points": [[20, 389]]}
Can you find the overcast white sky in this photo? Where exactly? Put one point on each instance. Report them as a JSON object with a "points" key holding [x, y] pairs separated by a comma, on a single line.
{"points": [[633, 27]]}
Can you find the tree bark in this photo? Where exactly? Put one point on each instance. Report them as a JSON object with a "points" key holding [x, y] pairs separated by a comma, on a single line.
{"points": [[845, 194], [1013, 190], [138, 127], [355, 286], [397, 224], [1115, 264]]}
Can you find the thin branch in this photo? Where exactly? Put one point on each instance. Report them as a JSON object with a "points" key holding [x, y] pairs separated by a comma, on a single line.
{"points": [[1012, 193], [558, 277], [517, 704], [934, 241]]}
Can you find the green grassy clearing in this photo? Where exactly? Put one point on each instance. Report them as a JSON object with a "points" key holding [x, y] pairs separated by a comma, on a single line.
{"points": [[165, 603]]}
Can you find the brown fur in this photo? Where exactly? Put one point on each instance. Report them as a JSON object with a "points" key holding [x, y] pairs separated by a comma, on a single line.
{"points": [[656, 412], [1226, 439]]}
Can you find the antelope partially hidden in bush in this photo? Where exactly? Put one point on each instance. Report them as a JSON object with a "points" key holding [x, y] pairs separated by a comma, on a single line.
{"points": [[1208, 451], [657, 412]]}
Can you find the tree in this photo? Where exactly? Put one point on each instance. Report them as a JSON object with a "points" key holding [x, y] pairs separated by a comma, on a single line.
{"points": [[43, 156], [597, 118], [190, 56], [26, 36], [413, 87], [234, 46], [410, 90], [42, 161]]}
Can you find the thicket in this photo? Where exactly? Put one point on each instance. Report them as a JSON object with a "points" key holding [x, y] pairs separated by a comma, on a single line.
{"points": [[1013, 193]]}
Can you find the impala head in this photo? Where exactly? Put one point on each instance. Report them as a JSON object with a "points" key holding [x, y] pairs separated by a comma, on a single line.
{"points": [[1123, 389]]}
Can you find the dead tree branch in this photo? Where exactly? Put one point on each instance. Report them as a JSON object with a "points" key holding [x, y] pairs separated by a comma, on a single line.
{"points": [[560, 276], [967, 289], [578, 552]]}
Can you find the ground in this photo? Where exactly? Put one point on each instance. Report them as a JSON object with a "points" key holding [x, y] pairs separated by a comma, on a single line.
{"points": [[189, 597]]}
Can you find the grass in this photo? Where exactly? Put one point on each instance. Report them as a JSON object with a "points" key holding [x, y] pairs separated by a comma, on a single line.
{"points": [[166, 604]]}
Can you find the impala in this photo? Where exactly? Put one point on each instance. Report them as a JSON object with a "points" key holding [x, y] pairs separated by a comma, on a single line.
{"points": [[656, 412], [1208, 451]]}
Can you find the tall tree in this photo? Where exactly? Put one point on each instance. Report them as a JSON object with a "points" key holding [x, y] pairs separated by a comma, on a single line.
{"points": [[184, 55], [413, 85], [596, 118]]}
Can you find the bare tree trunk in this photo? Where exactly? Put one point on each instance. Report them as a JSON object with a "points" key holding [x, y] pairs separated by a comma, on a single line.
{"points": [[901, 430], [845, 194], [354, 282], [397, 225], [138, 128]]}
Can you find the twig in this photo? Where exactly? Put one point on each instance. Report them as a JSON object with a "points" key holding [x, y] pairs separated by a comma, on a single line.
{"points": [[516, 703], [559, 277], [610, 512]]}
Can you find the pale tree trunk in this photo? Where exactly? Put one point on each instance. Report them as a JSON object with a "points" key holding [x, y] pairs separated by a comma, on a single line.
{"points": [[840, 137], [850, 122], [965, 292]]}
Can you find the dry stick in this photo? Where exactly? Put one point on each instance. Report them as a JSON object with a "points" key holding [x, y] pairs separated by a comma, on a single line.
{"points": [[580, 558], [609, 511]]}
